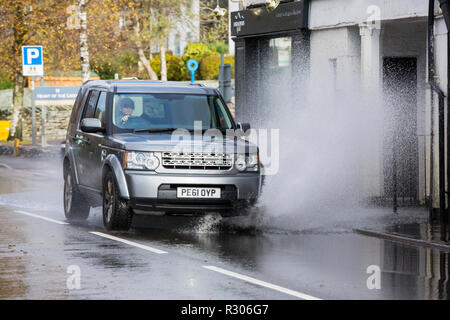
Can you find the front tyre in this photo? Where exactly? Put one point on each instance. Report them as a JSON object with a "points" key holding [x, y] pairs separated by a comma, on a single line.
{"points": [[117, 215], [75, 206]]}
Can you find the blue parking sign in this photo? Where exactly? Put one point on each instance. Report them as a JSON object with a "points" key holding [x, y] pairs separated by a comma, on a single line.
{"points": [[32, 61]]}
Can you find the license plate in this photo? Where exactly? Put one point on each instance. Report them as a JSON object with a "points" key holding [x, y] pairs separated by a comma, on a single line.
{"points": [[205, 193]]}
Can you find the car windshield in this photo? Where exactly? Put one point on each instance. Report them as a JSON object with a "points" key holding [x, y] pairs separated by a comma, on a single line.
{"points": [[140, 112]]}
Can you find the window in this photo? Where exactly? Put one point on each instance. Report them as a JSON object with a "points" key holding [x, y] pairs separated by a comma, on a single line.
{"points": [[101, 108], [224, 120], [177, 45], [91, 103], [280, 52], [167, 110]]}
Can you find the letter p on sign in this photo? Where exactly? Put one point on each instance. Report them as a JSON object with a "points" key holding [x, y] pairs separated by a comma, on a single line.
{"points": [[33, 53], [32, 61]]}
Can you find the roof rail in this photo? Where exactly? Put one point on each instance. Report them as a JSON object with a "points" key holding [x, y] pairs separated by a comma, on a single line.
{"points": [[197, 84]]}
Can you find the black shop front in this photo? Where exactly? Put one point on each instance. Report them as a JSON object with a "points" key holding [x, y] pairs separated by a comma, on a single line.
{"points": [[272, 58]]}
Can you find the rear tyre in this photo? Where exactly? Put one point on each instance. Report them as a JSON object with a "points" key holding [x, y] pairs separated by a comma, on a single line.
{"points": [[117, 215], [75, 206]]}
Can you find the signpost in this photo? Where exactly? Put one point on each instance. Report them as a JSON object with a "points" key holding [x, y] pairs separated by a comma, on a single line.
{"points": [[192, 65], [33, 65]]}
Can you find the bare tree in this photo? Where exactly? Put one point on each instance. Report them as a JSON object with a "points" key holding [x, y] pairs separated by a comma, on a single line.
{"points": [[83, 42], [142, 26], [151, 22]]}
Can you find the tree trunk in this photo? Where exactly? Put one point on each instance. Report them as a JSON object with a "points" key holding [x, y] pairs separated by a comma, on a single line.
{"points": [[17, 104], [20, 31], [146, 62], [83, 42], [163, 59], [141, 53]]}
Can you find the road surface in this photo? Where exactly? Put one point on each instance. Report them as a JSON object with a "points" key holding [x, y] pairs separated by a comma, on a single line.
{"points": [[42, 256]]}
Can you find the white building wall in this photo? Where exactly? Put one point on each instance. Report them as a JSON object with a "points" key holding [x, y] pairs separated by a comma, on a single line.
{"points": [[187, 30], [333, 25], [335, 13], [441, 61], [232, 7]]}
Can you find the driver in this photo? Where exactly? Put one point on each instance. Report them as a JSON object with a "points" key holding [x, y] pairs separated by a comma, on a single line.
{"points": [[126, 106]]}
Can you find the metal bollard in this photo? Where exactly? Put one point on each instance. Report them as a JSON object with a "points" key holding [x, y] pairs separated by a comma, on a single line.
{"points": [[225, 79], [43, 118], [16, 147]]}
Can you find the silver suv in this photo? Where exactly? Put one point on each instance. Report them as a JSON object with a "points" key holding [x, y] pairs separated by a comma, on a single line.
{"points": [[150, 147]]}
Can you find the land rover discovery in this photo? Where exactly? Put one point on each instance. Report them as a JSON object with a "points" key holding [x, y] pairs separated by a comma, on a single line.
{"points": [[139, 147]]}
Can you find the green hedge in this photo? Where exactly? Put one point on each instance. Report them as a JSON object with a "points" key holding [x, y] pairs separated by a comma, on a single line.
{"points": [[174, 67], [209, 67], [5, 81]]}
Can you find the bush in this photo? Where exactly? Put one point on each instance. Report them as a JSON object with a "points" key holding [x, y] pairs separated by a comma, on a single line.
{"points": [[106, 67], [126, 65], [174, 67], [209, 67], [196, 51], [5, 81], [219, 47]]}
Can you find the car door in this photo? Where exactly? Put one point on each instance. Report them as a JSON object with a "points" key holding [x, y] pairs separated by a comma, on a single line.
{"points": [[84, 156], [95, 151]]}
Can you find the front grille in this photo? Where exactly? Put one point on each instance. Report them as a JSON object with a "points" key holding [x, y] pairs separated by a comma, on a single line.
{"points": [[197, 160]]}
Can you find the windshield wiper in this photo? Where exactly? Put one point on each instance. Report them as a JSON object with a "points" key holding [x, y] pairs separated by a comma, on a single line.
{"points": [[154, 130]]}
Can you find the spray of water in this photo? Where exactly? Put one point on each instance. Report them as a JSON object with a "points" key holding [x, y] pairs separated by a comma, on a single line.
{"points": [[331, 135]]}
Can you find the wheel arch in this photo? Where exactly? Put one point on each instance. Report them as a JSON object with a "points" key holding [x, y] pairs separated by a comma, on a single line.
{"points": [[69, 162], [113, 164]]}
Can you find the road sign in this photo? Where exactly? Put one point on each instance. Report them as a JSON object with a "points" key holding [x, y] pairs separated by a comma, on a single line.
{"points": [[32, 61], [192, 65], [56, 95]]}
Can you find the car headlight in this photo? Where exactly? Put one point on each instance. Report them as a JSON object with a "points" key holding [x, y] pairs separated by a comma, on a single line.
{"points": [[252, 161], [141, 161], [247, 163]]}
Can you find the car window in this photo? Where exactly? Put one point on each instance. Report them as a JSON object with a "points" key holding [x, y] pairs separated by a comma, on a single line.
{"points": [[91, 103], [222, 115], [101, 108], [168, 110]]}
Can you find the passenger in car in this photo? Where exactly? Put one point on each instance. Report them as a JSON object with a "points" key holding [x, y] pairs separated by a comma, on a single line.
{"points": [[154, 115]]}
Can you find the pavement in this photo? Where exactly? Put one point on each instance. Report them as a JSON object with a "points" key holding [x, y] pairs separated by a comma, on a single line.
{"points": [[29, 151], [42, 256]]}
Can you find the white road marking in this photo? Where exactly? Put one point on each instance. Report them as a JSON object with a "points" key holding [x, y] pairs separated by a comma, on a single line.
{"points": [[262, 283], [131, 243], [212, 268], [40, 217]]}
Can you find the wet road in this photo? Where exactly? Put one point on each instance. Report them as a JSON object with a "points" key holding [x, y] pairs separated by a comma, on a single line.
{"points": [[190, 258]]}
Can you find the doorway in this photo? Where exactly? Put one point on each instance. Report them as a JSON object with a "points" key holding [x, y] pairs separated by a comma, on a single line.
{"points": [[400, 150]]}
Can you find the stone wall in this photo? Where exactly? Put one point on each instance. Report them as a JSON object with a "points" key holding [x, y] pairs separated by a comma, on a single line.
{"points": [[56, 123]]}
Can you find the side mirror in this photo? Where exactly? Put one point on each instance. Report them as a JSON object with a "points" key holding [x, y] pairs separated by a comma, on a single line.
{"points": [[91, 125], [243, 126]]}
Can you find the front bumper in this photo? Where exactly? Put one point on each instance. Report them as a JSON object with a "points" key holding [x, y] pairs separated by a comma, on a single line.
{"points": [[157, 192]]}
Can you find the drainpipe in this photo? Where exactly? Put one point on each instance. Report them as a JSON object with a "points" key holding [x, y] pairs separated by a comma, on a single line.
{"points": [[445, 7], [441, 96]]}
